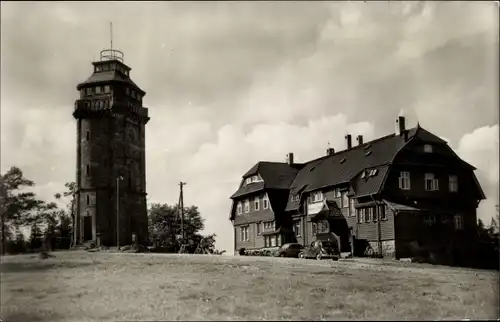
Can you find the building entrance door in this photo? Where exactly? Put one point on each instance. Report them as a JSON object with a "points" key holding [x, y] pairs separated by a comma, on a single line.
{"points": [[87, 228]]}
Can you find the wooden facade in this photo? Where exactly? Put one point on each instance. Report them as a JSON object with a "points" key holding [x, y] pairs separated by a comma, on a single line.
{"points": [[387, 196]]}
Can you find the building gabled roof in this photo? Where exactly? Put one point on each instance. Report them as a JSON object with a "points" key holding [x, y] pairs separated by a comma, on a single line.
{"points": [[342, 166], [275, 175], [107, 77]]}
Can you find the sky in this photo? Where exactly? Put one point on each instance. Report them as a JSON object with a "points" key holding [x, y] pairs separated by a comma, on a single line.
{"points": [[232, 83]]}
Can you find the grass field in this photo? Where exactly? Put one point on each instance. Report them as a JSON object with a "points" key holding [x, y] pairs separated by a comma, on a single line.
{"points": [[81, 286]]}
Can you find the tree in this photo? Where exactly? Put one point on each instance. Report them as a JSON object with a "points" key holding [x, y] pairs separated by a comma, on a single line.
{"points": [[35, 242], [67, 218], [165, 226], [16, 206]]}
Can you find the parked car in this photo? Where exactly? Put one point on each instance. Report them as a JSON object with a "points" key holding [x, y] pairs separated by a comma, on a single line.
{"points": [[289, 250], [320, 249]]}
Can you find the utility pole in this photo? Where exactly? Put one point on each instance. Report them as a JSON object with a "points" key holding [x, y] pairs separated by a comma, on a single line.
{"points": [[181, 206]]}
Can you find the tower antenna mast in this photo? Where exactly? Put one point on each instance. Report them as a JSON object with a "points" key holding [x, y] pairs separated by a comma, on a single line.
{"points": [[111, 35]]}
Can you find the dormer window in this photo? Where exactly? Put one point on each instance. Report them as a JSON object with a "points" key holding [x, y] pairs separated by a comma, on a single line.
{"points": [[373, 172], [98, 69], [252, 179], [105, 68], [428, 148], [317, 196], [265, 202]]}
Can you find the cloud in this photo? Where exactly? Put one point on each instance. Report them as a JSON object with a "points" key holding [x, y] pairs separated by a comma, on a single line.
{"points": [[481, 149], [231, 83]]}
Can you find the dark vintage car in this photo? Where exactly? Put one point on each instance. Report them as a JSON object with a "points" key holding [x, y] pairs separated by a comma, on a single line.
{"points": [[289, 250], [319, 250]]}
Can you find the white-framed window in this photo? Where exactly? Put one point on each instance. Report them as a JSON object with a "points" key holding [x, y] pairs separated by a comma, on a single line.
{"points": [[459, 222], [258, 228], [247, 206], [429, 218], [345, 199], [296, 228], [427, 148], [249, 180], [265, 202], [295, 197], [274, 241], [352, 210], [361, 214], [107, 89], [239, 208], [382, 212], [373, 172], [255, 178], [445, 218], [317, 196], [453, 183], [269, 225], [338, 194], [431, 183], [404, 180], [314, 228], [368, 214], [256, 203], [244, 233]]}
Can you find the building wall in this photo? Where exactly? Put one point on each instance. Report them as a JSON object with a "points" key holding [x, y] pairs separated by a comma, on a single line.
{"points": [[115, 147]]}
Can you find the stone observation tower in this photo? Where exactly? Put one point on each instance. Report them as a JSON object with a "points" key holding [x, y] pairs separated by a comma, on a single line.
{"points": [[110, 166]]}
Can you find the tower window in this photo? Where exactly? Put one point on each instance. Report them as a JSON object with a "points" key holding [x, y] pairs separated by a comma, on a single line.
{"points": [[105, 67], [107, 89], [89, 90], [88, 200], [127, 91], [88, 135], [87, 169]]}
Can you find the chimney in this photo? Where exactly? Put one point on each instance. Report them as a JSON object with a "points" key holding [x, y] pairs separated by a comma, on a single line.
{"points": [[330, 151], [289, 158], [400, 125], [348, 141], [360, 139]]}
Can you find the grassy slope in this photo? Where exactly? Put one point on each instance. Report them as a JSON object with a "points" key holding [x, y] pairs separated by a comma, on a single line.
{"points": [[79, 286]]}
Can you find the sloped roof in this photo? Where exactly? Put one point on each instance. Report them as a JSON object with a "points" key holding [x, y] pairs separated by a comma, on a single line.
{"points": [[369, 184], [109, 76], [342, 166], [276, 175]]}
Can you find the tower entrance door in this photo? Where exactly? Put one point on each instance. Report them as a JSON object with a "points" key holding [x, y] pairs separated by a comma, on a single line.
{"points": [[87, 228]]}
